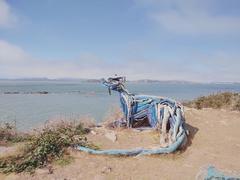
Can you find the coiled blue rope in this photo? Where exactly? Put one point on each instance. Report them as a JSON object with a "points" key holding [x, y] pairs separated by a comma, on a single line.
{"points": [[140, 151]]}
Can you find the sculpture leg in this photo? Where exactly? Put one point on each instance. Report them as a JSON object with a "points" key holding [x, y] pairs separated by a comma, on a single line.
{"points": [[163, 135], [178, 118], [158, 111]]}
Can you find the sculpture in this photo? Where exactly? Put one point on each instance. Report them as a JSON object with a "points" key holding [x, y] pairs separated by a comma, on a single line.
{"points": [[163, 113]]}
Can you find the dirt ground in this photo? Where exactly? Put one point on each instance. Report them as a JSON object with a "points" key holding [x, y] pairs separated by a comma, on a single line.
{"points": [[214, 140]]}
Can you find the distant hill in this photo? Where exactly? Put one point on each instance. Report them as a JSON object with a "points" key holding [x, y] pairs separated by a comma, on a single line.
{"points": [[163, 81], [132, 81]]}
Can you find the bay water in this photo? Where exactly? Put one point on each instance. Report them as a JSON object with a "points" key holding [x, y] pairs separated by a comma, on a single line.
{"points": [[32, 102]]}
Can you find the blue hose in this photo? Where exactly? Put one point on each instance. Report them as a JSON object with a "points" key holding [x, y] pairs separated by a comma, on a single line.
{"points": [[140, 151]]}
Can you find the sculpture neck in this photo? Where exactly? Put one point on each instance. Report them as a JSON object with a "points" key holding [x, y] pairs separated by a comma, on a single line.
{"points": [[126, 96], [125, 92]]}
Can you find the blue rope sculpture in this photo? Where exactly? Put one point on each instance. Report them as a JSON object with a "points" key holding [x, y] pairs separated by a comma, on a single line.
{"points": [[163, 113]]}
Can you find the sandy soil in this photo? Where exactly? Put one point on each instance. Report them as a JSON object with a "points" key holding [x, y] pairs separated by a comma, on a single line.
{"points": [[214, 140]]}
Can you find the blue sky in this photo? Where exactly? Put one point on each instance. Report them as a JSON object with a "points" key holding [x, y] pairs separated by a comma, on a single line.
{"points": [[141, 39]]}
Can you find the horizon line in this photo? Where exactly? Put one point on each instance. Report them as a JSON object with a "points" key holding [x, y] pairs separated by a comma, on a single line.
{"points": [[129, 80]]}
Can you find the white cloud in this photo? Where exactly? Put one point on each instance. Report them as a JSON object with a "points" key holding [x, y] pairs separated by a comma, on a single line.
{"points": [[217, 66], [11, 54], [192, 17], [17, 63], [7, 18]]}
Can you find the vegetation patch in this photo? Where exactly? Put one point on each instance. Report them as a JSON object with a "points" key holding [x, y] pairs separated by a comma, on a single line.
{"points": [[225, 100], [64, 160], [9, 134], [45, 146]]}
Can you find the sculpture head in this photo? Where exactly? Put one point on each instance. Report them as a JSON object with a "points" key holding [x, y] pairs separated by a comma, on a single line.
{"points": [[115, 84]]}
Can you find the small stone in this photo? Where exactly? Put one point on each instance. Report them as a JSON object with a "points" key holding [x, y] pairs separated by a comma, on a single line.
{"points": [[111, 136], [136, 130], [93, 132], [50, 169], [106, 170]]}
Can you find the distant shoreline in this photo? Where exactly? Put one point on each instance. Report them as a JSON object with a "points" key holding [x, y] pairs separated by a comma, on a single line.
{"points": [[99, 80]]}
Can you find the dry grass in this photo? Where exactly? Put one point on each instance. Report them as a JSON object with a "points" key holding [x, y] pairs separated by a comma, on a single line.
{"points": [[225, 100], [114, 113], [9, 134], [86, 121]]}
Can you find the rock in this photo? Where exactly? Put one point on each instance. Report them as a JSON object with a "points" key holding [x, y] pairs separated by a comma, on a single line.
{"points": [[136, 130], [111, 136], [42, 92], [50, 169], [106, 170], [93, 132], [11, 92]]}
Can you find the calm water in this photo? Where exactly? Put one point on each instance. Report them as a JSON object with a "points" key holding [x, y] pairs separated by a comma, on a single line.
{"points": [[74, 99]]}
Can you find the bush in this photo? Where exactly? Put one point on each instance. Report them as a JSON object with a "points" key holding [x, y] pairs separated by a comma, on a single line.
{"points": [[44, 147], [225, 100], [237, 105], [9, 134]]}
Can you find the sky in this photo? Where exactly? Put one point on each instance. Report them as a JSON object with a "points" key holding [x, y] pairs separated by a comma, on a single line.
{"points": [[191, 40]]}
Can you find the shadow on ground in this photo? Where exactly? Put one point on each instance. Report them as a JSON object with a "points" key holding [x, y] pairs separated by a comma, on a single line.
{"points": [[192, 132]]}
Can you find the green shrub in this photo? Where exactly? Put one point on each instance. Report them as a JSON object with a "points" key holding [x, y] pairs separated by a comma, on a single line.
{"points": [[44, 147]]}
